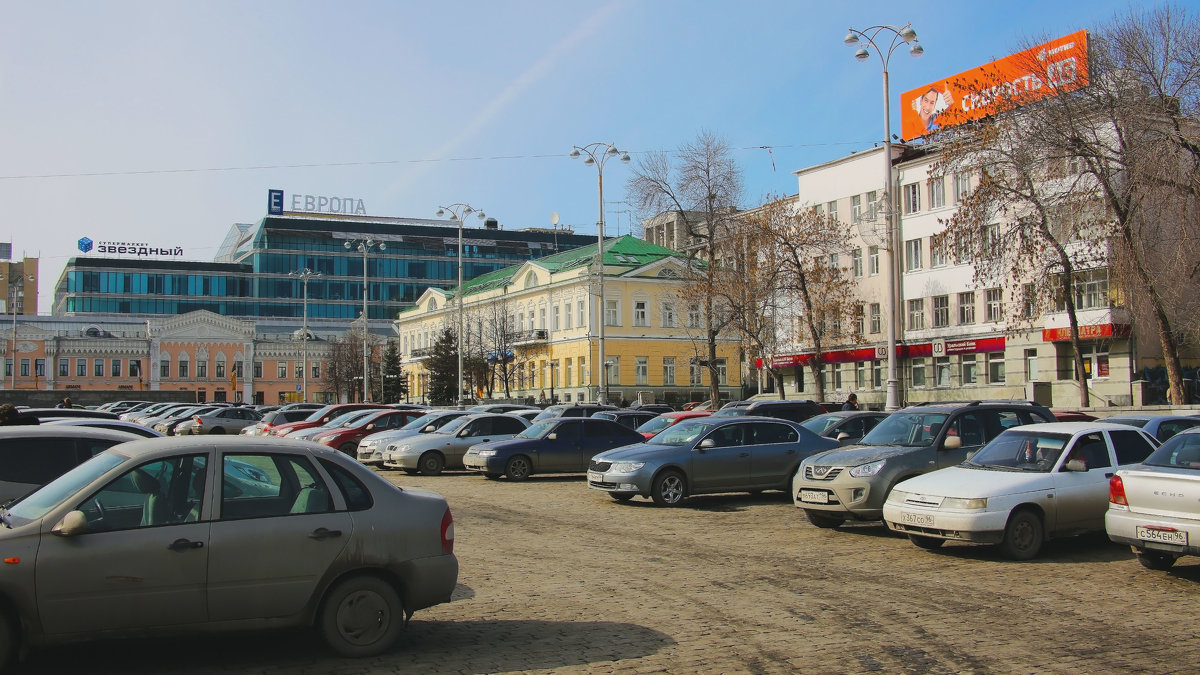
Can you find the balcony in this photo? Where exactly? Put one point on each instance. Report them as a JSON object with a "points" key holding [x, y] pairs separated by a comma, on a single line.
{"points": [[526, 337], [420, 354]]}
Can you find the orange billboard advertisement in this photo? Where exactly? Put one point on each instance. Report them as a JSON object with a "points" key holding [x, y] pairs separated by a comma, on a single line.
{"points": [[1039, 72]]}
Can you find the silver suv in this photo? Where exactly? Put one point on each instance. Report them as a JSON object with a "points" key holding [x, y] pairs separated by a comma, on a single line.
{"points": [[853, 482]]}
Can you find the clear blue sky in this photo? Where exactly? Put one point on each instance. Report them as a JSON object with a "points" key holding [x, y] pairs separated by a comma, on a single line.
{"points": [[165, 122]]}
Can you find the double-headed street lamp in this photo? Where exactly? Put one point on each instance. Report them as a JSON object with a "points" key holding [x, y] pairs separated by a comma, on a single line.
{"points": [[364, 246], [304, 275], [458, 211], [899, 36], [597, 154]]}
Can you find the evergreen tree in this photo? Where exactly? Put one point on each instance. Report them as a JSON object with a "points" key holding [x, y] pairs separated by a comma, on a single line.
{"points": [[443, 369], [395, 385]]}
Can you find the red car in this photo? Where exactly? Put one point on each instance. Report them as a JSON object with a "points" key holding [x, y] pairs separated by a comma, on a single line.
{"points": [[346, 439], [670, 419], [323, 416]]}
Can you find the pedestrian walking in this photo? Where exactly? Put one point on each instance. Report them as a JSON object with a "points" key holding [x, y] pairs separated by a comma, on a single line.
{"points": [[851, 402]]}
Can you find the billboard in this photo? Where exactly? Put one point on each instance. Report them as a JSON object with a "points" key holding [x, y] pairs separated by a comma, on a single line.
{"points": [[1045, 70]]}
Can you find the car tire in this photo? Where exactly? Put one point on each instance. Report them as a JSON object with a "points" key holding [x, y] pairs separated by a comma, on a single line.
{"points": [[10, 640], [492, 476], [349, 449], [216, 431], [361, 616], [620, 497], [1154, 560], [670, 488], [927, 543], [823, 520], [1023, 535], [518, 468], [431, 464]]}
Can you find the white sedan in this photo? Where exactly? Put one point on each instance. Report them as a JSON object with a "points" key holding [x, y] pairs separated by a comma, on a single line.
{"points": [[1029, 484], [1155, 506]]}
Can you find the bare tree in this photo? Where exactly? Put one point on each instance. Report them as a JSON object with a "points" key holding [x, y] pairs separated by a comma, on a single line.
{"points": [[702, 186], [343, 366]]}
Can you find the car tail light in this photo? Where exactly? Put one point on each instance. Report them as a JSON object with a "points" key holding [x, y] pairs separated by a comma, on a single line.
{"points": [[1116, 491], [447, 533], [197, 422]]}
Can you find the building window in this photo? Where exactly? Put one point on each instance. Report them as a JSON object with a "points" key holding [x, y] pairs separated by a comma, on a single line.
{"points": [[918, 372], [542, 318], [1029, 301], [555, 312], [183, 369], [937, 192], [641, 317], [164, 367], [80, 367], [579, 321], [941, 371], [994, 308], [877, 374], [831, 207], [281, 370], [24, 367], [116, 368], [962, 187], [722, 372], [968, 369], [873, 260], [641, 370], [860, 375], [694, 373], [668, 315], [996, 367], [202, 370], [220, 368], [668, 371], [941, 311], [1091, 290], [567, 317], [916, 314], [8, 367], [64, 367], [912, 254], [876, 318], [135, 368], [694, 316], [258, 369], [912, 198], [98, 368], [856, 262], [613, 368], [859, 328], [612, 313], [316, 371], [856, 209], [299, 370], [1031, 370], [567, 373], [966, 308], [937, 253]]}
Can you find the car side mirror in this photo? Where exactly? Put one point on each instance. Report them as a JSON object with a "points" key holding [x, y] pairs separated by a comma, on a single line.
{"points": [[370, 427], [1076, 465], [552, 436], [464, 433], [952, 443], [429, 429], [71, 524], [842, 436], [707, 443]]}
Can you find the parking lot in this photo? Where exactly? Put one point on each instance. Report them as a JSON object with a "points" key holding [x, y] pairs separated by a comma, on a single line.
{"points": [[555, 577]]}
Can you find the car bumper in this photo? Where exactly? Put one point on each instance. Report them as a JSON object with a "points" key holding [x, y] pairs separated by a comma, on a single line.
{"points": [[402, 461], [854, 497], [370, 457], [637, 483], [975, 526], [429, 581], [1123, 526]]}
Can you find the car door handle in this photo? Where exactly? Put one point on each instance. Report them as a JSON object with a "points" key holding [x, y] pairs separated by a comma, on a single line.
{"points": [[744, 454], [1108, 475], [321, 533], [185, 544]]}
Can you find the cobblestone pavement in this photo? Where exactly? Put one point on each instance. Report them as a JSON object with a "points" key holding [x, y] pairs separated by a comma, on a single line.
{"points": [[555, 577]]}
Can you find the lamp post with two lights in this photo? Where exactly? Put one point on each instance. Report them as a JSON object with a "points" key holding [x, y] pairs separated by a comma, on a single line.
{"points": [[458, 212], [365, 246]]}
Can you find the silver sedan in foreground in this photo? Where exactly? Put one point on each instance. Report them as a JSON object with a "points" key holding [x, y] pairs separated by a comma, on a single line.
{"points": [[184, 535]]}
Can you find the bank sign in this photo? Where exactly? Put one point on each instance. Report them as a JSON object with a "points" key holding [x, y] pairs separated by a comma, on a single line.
{"points": [[349, 206]]}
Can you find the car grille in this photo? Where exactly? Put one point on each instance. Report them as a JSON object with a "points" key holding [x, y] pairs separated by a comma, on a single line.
{"points": [[822, 472], [599, 466]]}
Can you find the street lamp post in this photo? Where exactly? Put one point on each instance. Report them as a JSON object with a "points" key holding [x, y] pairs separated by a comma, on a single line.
{"points": [[458, 212], [364, 246], [899, 35], [597, 154], [304, 275]]}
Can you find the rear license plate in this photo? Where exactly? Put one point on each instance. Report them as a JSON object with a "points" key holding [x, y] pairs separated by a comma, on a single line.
{"points": [[594, 477], [814, 496], [1162, 536], [916, 519]]}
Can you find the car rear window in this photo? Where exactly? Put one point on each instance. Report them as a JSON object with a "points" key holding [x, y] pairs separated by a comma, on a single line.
{"points": [[1131, 446], [36, 460], [357, 496]]}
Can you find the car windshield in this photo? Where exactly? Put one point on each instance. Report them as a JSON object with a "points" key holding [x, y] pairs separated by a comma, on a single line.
{"points": [[454, 425], [1130, 421], [552, 411], [732, 412], [908, 429], [317, 415], [655, 425], [1181, 451], [36, 504], [1017, 450], [342, 420], [539, 429], [436, 419], [683, 433], [820, 423]]}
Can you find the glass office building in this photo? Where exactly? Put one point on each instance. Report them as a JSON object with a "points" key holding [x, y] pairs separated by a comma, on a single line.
{"points": [[249, 276]]}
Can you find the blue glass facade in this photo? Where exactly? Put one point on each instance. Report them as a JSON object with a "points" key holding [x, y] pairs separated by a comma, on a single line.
{"points": [[251, 279]]}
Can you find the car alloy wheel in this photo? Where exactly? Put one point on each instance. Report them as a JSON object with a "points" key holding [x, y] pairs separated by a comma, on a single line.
{"points": [[669, 489], [431, 464], [518, 468]]}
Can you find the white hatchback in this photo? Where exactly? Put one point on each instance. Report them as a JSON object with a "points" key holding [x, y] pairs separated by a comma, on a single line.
{"points": [[1027, 485]]}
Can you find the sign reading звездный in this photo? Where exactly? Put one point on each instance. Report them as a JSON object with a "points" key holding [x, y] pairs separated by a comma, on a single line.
{"points": [[349, 206]]}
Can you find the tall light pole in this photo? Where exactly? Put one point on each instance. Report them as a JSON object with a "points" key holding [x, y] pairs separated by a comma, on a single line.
{"points": [[900, 35], [459, 211], [597, 154], [304, 275], [364, 246]]}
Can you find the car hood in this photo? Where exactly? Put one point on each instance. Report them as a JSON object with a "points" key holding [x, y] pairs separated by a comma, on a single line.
{"points": [[855, 455], [960, 481], [509, 444], [637, 451]]}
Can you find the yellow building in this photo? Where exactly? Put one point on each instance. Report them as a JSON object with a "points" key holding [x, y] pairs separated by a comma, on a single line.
{"points": [[536, 324]]}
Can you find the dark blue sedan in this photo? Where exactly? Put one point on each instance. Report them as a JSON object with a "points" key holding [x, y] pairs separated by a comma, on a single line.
{"points": [[559, 445]]}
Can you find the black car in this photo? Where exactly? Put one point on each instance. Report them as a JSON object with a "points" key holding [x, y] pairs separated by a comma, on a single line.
{"points": [[557, 445], [796, 411], [31, 456], [846, 426]]}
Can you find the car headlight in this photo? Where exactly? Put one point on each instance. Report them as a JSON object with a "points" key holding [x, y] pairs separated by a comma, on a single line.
{"points": [[486, 453], [400, 449], [327, 440], [626, 467], [964, 503], [897, 496], [867, 470]]}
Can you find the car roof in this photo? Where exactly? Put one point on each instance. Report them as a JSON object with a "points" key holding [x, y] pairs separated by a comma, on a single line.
{"points": [[169, 445], [1072, 427], [64, 431], [1147, 417], [947, 406]]}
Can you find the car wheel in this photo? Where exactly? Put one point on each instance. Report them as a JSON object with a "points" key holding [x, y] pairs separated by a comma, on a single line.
{"points": [[1023, 536], [9, 639], [518, 468], [349, 449], [492, 476], [620, 497], [1153, 560], [823, 520], [670, 489], [927, 543], [431, 464], [361, 616], [216, 431]]}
